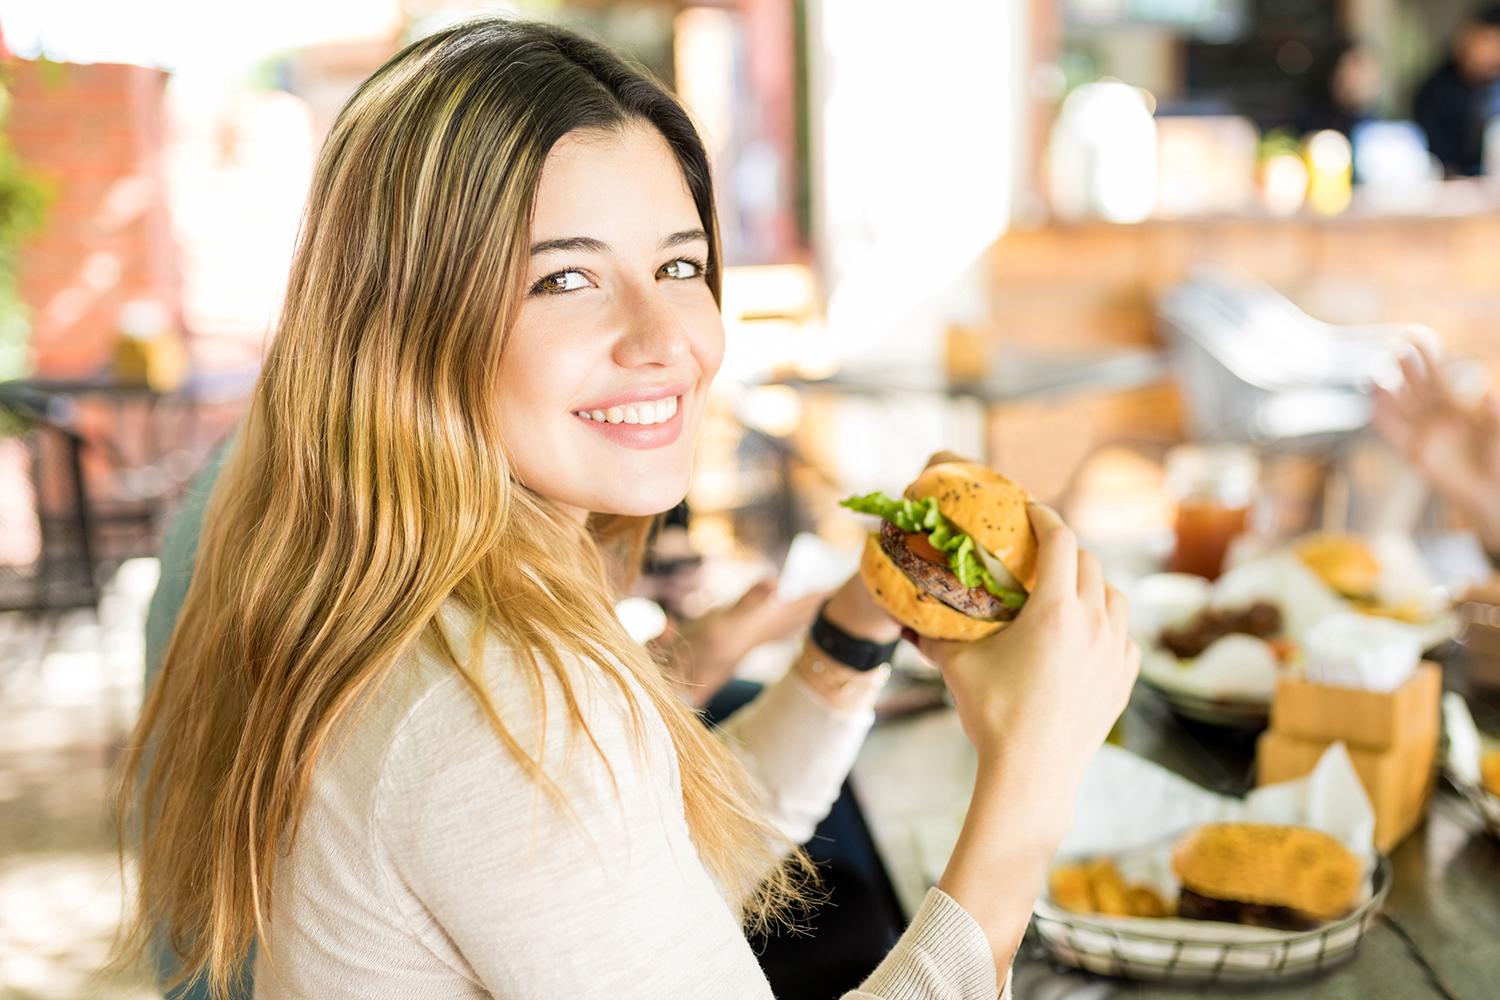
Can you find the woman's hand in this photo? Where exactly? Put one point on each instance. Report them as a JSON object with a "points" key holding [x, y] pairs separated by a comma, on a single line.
{"points": [[1456, 447], [1042, 693], [708, 647]]}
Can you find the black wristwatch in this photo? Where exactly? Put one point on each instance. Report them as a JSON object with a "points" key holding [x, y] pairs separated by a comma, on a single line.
{"points": [[851, 651]]}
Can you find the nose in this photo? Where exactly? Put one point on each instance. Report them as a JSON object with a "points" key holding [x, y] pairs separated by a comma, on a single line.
{"points": [[651, 334]]}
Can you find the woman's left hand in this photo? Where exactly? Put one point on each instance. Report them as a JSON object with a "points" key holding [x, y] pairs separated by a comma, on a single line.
{"points": [[710, 645]]}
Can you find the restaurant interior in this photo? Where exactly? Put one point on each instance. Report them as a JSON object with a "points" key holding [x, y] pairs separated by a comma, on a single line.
{"points": [[1156, 261]]}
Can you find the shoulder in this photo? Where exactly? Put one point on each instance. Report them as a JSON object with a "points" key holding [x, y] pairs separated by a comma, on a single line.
{"points": [[442, 736]]}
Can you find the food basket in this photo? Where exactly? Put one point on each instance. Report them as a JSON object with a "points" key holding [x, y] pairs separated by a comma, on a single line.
{"points": [[1204, 953], [1485, 803]]}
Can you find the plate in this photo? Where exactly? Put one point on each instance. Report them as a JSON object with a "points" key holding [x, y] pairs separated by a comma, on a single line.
{"points": [[1205, 952], [1225, 713]]}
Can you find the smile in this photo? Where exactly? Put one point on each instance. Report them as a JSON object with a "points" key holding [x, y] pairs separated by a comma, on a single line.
{"points": [[656, 411], [654, 423]]}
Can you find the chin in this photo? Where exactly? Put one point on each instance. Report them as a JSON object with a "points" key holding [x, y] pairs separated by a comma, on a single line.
{"points": [[639, 494]]}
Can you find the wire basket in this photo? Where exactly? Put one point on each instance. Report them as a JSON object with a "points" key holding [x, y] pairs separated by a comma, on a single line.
{"points": [[1486, 802], [1125, 948]]}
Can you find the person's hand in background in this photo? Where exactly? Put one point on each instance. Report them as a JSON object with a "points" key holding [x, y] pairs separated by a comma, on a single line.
{"points": [[706, 649], [1455, 445]]}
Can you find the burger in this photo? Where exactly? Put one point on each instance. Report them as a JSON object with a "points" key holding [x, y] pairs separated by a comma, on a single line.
{"points": [[955, 556], [1344, 562], [1265, 875]]}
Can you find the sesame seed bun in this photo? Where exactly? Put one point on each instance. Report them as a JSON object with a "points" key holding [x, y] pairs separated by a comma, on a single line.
{"points": [[987, 507]]}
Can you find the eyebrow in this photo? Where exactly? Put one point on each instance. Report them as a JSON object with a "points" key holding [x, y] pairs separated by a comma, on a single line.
{"points": [[587, 244]]}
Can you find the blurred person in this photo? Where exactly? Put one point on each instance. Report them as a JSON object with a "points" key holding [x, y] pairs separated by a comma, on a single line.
{"points": [[399, 743], [1343, 89], [1454, 444], [1458, 99]]}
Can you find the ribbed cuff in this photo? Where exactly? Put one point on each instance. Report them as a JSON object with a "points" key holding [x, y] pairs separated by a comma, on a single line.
{"points": [[943, 955]]}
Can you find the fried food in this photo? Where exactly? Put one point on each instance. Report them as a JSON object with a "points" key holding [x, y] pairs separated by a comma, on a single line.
{"points": [[1272, 876]]}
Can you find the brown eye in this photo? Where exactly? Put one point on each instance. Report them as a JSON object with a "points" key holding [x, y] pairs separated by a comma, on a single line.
{"points": [[562, 281], [681, 269]]}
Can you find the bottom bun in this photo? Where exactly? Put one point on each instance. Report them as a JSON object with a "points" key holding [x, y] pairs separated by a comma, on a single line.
{"points": [[894, 591]]}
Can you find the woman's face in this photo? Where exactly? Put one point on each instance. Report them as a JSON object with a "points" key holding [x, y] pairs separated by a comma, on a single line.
{"points": [[604, 376]]}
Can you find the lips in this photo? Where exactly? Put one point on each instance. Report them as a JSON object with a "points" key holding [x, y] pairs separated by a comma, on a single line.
{"points": [[642, 436]]}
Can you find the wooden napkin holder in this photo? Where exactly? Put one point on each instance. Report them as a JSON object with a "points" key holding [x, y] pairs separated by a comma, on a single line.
{"points": [[1392, 738]]}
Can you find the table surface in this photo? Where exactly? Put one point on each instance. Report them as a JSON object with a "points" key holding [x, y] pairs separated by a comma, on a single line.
{"points": [[1438, 939]]}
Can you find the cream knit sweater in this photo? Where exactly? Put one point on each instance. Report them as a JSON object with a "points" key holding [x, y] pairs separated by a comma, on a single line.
{"points": [[427, 865]]}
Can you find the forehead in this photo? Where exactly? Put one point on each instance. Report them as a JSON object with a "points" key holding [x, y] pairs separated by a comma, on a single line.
{"points": [[623, 184]]}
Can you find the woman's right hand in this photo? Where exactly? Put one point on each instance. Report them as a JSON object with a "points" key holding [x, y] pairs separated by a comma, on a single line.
{"points": [[1041, 695]]}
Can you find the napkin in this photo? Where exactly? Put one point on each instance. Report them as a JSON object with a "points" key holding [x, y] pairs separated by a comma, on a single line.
{"points": [[1357, 651]]}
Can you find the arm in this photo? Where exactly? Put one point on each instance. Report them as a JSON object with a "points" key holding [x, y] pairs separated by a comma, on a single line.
{"points": [[799, 738], [1037, 699]]}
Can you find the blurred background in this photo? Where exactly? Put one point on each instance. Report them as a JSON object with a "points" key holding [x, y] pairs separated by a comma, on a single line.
{"points": [[1133, 253]]}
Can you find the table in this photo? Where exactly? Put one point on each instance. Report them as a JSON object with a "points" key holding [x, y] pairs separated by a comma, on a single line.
{"points": [[1439, 938]]}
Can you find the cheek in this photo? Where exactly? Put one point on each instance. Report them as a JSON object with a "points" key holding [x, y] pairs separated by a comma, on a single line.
{"points": [[707, 326], [535, 383]]}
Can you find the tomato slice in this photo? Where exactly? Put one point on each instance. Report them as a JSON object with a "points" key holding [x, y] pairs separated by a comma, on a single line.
{"points": [[920, 546]]}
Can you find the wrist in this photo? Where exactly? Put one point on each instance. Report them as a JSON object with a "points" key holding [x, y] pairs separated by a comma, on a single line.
{"points": [[1003, 785], [853, 610]]}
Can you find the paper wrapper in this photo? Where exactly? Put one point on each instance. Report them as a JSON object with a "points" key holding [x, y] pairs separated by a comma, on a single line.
{"points": [[1356, 651], [1133, 811]]}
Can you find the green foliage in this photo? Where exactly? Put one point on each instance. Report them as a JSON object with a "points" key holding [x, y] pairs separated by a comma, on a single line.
{"points": [[24, 198]]}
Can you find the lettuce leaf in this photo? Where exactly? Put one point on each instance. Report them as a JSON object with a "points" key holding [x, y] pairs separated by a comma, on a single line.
{"points": [[922, 516]]}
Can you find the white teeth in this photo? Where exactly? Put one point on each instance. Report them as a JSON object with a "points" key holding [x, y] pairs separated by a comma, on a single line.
{"points": [[656, 412]]}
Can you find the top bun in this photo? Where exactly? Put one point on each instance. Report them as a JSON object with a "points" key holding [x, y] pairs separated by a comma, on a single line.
{"points": [[987, 507], [1344, 562]]}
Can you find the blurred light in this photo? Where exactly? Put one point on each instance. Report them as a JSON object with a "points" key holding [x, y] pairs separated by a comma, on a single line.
{"points": [[1102, 158], [1392, 164], [1328, 152], [1206, 164], [775, 290], [775, 409], [703, 60], [1330, 172], [1283, 183]]}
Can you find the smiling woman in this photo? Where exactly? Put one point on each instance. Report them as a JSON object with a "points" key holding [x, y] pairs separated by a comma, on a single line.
{"points": [[399, 743]]}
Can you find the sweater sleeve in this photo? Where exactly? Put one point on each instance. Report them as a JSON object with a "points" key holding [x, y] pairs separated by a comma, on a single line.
{"points": [[603, 896], [943, 954], [798, 750]]}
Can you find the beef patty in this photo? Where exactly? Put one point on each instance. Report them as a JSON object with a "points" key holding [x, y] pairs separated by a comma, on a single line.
{"points": [[940, 581]]}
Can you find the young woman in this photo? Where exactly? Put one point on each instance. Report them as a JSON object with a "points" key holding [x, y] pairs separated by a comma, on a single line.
{"points": [[399, 739]]}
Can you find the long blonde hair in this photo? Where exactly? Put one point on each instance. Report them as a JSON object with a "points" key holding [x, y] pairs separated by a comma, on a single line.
{"points": [[369, 484]]}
